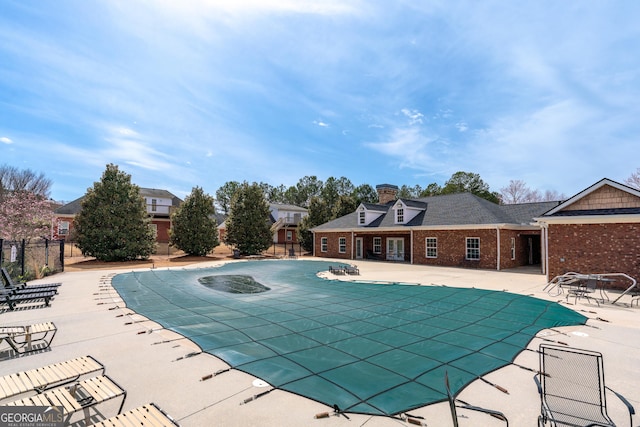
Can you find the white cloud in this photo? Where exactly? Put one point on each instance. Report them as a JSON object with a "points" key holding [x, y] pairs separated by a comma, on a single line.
{"points": [[408, 145], [6, 140], [320, 123], [462, 126], [414, 116]]}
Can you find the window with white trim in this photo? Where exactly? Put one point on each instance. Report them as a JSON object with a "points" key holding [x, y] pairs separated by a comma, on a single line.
{"points": [[377, 245], [400, 216], [431, 245], [63, 228], [342, 245], [323, 244], [513, 248], [154, 205], [289, 235], [362, 215], [473, 248]]}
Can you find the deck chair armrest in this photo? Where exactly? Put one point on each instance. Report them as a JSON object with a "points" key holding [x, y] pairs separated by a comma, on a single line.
{"points": [[629, 406], [537, 381], [496, 414]]}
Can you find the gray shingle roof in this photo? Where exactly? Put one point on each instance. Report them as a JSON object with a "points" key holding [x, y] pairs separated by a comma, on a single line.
{"points": [[72, 208], [451, 210]]}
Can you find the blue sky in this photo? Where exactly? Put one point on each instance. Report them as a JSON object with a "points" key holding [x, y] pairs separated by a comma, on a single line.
{"points": [[180, 94]]}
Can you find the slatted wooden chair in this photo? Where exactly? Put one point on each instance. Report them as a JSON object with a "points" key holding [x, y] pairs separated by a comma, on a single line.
{"points": [[79, 396], [38, 380], [24, 339], [147, 415]]}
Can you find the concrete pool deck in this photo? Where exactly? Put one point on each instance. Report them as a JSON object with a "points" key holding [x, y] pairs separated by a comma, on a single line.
{"points": [[156, 365]]}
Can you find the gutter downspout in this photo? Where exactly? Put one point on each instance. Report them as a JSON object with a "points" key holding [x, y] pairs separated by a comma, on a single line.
{"points": [[498, 246], [411, 246], [352, 243], [545, 249]]}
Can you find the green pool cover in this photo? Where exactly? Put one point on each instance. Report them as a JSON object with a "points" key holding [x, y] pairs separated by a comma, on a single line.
{"points": [[369, 348]]}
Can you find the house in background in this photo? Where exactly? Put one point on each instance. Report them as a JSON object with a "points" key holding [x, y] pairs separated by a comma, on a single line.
{"points": [[160, 205], [595, 231], [456, 230], [285, 220]]}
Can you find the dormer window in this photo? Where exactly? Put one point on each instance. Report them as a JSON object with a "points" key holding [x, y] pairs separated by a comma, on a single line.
{"points": [[362, 218], [400, 216]]}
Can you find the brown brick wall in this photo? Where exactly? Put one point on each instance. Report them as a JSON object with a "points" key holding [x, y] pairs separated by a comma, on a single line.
{"points": [[594, 248], [282, 235], [332, 245], [452, 248]]}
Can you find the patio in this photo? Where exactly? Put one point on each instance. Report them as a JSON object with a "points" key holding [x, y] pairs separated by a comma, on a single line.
{"points": [[155, 365]]}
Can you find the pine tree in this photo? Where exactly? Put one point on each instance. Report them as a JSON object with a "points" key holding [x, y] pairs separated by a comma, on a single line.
{"points": [[194, 228], [247, 226], [113, 224], [319, 213]]}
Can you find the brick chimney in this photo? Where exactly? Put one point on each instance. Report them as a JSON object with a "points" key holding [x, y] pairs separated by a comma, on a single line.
{"points": [[386, 193]]}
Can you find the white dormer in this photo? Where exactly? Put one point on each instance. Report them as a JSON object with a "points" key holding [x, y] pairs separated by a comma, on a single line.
{"points": [[405, 210], [367, 213]]}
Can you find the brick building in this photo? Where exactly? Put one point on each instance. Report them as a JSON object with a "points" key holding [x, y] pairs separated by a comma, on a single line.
{"points": [[595, 231], [461, 230]]}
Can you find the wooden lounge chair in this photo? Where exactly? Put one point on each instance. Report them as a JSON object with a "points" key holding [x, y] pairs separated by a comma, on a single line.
{"points": [[12, 300], [23, 339], [147, 415], [49, 376], [10, 284], [76, 397]]}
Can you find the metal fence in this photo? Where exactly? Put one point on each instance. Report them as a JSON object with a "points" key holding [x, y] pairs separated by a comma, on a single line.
{"points": [[32, 260]]}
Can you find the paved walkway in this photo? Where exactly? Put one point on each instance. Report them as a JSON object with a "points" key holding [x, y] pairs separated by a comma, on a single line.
{"points": [[156, 365]]}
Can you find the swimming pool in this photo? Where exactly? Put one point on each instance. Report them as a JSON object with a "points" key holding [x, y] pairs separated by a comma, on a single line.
{"points": [[369, 348]]}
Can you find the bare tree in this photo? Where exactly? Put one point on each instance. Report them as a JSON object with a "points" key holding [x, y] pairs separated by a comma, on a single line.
{"points": [[13, 179], [634, 179], [553, 196], [516, 192]]}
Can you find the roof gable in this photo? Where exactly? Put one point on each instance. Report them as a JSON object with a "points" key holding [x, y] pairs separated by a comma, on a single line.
{"points": [[605, 196]]}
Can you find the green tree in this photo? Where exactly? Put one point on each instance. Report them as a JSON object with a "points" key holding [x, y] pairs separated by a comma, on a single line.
{"points": [[318, 213], [113, 224], [301, 194], [432, 189], [407, 192], [343, 206], [365, 193], [224, 195], [247, 226], [193, 225], [467, 182]]}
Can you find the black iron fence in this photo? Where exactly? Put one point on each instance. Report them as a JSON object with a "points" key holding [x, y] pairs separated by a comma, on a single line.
{"points": [[32, 260]]}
